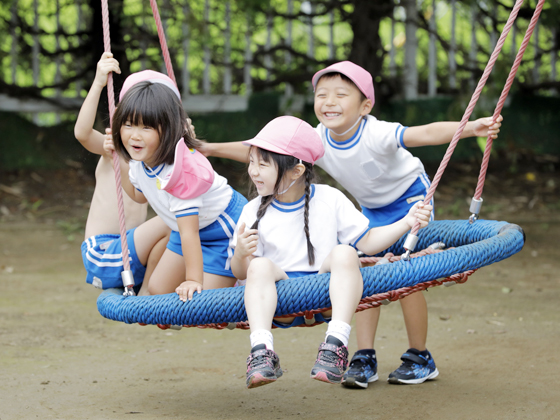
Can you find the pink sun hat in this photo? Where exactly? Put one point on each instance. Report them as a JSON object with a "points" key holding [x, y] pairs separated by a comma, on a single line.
{"points": [[361, 77], [148, 76], [290, 136], [192, 173]]}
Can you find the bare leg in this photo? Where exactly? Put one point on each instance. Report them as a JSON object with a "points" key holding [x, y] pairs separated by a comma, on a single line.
{"points": [[153, 260], [168, 275], [214, 281], [260, 292], [415, 312], [346, 286], [366, 327]]}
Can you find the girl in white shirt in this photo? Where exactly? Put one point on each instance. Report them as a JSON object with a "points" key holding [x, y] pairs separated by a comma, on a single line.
{"points": [[295, 228]]}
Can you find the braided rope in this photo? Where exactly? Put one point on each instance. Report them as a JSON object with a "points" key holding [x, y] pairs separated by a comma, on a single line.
{"points": [[116, 160], [473, 246], [470, 107], [503, 96], [162, 41]]}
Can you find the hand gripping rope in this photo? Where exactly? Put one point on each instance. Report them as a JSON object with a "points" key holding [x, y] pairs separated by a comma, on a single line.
{"points": [[476, 203]]}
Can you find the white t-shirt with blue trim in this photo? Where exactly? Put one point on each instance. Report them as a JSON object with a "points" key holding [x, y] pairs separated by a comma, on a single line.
{"points": [[333, 219], [374, 165], [208, 206]]}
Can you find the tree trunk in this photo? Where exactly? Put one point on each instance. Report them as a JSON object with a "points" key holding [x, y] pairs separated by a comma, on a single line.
{"points": [[367, 49]]}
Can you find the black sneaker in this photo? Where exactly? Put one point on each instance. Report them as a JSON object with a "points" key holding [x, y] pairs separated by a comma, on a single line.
{"points": [[331, 362], [362, 370], [417, 367], [263, 367]]}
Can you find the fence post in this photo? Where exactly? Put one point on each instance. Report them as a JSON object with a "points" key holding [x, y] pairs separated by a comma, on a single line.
{"points": [[268, 43], [473, 47], [432, 52], [13, 33], [206, 73], [411, 70], [227, 50], [332, 52], [289, 91], [453, 47], [537, 66], [185, 76], [248, 59], [392, 53]]}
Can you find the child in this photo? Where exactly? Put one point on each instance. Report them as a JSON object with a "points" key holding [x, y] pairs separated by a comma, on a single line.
{"points": [[166, 171], [368, 157], [295, 228], [101, 249]]}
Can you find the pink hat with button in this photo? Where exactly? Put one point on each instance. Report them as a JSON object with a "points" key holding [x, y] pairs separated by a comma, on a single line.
{"points": [[192, 174], [148, 76], [290, 136], [361, 77]]}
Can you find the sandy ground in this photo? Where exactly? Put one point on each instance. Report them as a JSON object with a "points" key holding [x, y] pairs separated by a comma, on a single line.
{"points": [[494, 339]]}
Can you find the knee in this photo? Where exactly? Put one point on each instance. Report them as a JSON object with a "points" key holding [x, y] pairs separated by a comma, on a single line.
{"points": [[259, 270], [344, 256]]}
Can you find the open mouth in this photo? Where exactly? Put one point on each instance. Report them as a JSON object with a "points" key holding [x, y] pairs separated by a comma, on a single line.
{"points": [[332, 114], [137, 148]]}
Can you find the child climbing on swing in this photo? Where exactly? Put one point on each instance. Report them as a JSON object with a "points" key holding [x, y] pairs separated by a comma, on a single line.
{"points": [[165, 169], [101, 249], [295, 228], [369, 158]]}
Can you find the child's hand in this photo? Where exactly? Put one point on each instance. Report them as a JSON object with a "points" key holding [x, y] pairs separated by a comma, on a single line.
{"points": [[105, 65], [187, 288], [420, 212], [108, 145], [483, 127], [247, 241]]}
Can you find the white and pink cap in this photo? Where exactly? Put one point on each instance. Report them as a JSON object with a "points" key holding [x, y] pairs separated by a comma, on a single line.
{"points": [[192, 174], [290, 136], [148, 76], [361, 77]]}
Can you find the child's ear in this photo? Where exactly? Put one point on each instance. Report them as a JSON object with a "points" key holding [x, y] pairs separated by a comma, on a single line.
{"points": [[298, 171], [366, 107]]}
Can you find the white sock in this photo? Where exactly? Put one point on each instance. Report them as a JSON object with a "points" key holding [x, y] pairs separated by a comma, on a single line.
{"points": [[262, 337], [340, 330]]}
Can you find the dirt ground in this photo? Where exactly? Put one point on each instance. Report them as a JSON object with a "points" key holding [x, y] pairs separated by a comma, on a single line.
{"points": [[494, 339]]}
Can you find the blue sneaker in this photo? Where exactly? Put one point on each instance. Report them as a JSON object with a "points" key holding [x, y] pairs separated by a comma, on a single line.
{"points": [[415, 369], [362, 370]]}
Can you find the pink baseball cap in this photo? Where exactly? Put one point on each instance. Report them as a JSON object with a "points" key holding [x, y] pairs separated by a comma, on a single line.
{"points": [[290, 136], [361, 77], [192, 173], [148, 76]]}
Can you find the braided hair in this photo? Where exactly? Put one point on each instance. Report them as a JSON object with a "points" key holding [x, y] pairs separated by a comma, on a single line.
{"points": [[285, 163]]}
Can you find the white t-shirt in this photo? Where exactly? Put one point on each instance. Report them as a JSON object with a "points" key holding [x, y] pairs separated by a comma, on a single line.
{"points": [[208, 206], [373, 165], [333, 219]]}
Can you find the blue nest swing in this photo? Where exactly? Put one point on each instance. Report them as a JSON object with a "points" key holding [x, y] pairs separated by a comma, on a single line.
{"points": [[471, 246]]}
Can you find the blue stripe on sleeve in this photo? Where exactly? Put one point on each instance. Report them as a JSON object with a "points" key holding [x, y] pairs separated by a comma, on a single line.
{"points": [[187, 212]]}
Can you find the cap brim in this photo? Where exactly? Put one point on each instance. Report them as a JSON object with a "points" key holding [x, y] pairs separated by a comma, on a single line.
{"points": [[263, 144]]}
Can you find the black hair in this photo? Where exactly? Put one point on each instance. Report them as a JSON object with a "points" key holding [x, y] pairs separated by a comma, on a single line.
{"points": [[334, 74], [283, 164], [153, 105]]}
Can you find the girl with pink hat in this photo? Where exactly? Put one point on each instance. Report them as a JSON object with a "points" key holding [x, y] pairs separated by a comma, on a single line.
{"points": [[295, 228], [165, 170]]}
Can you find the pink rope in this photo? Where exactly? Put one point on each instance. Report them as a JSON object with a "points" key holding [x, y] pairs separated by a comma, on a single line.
{"points": [[470, 107], [162, 41], [116, 160], [503, 96]]}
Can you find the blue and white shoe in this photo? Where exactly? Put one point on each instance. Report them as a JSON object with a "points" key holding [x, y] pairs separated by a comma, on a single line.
{"points": [[415, 369], [362, 370]]}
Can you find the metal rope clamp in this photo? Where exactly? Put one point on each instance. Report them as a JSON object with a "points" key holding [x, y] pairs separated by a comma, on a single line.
{"points": [[409, 245], [476, 205], [128, 283]]}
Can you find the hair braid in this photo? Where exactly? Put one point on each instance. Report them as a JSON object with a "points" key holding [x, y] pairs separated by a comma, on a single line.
{"points": [[310, 249], [265, 202]]}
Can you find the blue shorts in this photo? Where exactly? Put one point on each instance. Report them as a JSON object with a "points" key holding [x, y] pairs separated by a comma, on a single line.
{"points": [[215, 238], [299, 320], [102, 256], [399, 208]]}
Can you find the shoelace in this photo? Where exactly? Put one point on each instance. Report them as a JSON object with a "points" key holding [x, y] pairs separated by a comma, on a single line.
{"points": [[260, 361], [330, 357]]}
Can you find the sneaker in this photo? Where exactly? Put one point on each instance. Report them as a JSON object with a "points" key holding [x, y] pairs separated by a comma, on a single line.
{"points": [[415, 369], [263, 367], [331, 362], [362, 370]]}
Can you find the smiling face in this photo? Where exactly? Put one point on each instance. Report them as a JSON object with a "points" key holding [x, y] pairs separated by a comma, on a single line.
{"points": [[263, 174], [339, 104], [140, 141]]}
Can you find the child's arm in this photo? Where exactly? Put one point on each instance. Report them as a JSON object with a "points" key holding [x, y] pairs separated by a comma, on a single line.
{"points": [[92, 139], [234, 151], [192, 254], [247, 241], [379, 238], [442, 132], [131, 191]]}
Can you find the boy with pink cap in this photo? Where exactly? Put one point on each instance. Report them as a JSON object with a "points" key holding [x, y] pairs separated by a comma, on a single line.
{"points": [[295, 228], [369, 158], [101, 249]]}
